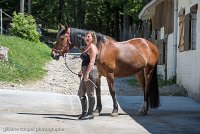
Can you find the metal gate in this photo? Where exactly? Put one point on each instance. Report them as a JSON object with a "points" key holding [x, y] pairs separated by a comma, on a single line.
{"points": [[1, 20]]}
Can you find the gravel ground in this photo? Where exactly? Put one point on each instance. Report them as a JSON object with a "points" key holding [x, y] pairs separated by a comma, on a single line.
{"points": [[60, 80]]}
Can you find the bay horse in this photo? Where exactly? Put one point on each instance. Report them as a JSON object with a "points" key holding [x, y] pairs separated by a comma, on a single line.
{"points": [[136, 56]]}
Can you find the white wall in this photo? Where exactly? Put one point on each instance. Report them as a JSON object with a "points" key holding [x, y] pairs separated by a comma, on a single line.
{"points": [[170, 58], [188, 62]]}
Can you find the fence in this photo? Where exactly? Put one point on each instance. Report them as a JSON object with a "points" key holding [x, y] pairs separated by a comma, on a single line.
{"points": [[1, 20]]}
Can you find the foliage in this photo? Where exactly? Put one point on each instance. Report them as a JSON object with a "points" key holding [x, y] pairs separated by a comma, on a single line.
{"points": [[133, 82], [24, 26], [105, 16], [161, 82], [25, 60], [133, 8]]}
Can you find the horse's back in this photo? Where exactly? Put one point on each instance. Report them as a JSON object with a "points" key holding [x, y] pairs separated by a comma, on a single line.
{"points": [[146, 48]]}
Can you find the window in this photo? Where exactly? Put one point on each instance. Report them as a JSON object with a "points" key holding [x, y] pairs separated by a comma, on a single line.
{"points": [[181, 29], [193, 12], [188, 26]]}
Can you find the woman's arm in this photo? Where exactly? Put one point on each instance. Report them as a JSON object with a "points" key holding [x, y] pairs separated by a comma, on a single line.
{"points": [[92, 55]]}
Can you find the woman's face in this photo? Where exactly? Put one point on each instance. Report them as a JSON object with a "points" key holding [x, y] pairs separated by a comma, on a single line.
{"points": [[88, 38]]}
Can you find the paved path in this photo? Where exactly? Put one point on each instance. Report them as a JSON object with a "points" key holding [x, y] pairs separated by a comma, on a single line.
{"points": [[29, 112]]}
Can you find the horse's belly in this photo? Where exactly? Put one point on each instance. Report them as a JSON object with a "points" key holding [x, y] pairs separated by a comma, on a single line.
{"points": [[120, 69], [126, 70]]}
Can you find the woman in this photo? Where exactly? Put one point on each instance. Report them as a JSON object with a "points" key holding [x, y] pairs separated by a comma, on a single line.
{"points": [[90, 75]]}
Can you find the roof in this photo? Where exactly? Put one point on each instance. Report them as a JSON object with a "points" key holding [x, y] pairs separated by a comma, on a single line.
{"points": [[149, 10]]}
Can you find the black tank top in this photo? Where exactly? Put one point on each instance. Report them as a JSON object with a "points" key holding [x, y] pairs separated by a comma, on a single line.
{"points": [[85, 59]]}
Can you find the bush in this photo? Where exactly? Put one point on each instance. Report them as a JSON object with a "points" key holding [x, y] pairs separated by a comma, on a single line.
{"points": [[24, 26]]}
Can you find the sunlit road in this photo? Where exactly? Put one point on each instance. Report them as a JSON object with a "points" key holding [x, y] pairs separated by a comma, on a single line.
{"points": [[37, 113]]}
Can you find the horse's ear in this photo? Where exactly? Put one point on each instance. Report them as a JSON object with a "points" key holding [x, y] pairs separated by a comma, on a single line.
{"points": [[62, 27]]}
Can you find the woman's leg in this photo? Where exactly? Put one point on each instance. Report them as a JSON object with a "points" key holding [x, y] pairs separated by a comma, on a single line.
{"points": [[90, 87], [83, 99]]}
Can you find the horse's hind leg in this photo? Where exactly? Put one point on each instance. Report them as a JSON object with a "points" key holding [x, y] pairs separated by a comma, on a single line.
{"points": [[110, 80], [98, 95], [141, 79], [148, 74]]}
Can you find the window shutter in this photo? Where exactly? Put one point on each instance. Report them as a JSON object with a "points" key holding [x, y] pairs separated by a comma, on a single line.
{"points": [[187, 33], [194, 9], [181, 33], [193, 21], [169, 16]]}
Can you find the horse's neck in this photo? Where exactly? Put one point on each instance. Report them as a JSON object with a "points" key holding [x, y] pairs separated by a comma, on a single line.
{"points": [[104, 47], [76, 36]]}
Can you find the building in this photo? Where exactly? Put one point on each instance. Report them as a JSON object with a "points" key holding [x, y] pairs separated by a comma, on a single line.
{"points": [[175, 30]]}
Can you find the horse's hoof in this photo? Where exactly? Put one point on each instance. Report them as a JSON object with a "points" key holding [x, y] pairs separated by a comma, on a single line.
{"points": [[142, 113], [114, 114], [96, 112]]}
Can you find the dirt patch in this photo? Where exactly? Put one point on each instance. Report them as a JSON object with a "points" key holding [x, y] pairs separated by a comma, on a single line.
{"points": [[60, 80]]}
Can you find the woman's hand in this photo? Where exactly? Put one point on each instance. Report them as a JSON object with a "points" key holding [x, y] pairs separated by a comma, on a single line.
{"points": [[80, 74], [86, 77]]}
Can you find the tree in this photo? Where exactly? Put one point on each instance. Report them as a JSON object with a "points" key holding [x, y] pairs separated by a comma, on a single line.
{"points": [[24, 26], [22, 6], [106, 16], [29, 7]]}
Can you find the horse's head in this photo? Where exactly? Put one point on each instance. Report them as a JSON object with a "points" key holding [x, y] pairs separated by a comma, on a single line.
{"points": [[62, 44], [67, 38]]}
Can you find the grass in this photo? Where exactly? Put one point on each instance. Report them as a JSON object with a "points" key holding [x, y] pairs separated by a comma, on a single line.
{"points": [[161, 82], [133, 81], [25, 60]]}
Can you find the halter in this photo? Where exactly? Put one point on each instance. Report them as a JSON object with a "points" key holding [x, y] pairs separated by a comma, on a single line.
{"points": [[68, 32], [68, 43]]}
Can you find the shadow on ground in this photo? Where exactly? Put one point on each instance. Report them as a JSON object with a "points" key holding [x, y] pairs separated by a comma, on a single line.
{"points": [[176, 115]]}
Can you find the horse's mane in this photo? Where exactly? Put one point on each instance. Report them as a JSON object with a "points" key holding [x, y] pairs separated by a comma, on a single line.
{"points": [[78, 35], [111, 39], [101, 38]]}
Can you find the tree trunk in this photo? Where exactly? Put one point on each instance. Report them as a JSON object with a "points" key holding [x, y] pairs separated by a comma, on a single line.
{"points": [[22, 6], [116, 34], [108, 20], [60, 11], [29, 7]]}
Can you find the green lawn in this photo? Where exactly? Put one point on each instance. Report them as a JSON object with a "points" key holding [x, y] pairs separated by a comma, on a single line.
{"points": [[26, 60]]}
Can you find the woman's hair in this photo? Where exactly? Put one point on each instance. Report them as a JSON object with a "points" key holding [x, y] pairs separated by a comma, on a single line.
{"points": [[94, 37]]}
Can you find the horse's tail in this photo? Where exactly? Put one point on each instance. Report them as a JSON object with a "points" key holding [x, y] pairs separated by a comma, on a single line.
{"points": [[154, 98]]}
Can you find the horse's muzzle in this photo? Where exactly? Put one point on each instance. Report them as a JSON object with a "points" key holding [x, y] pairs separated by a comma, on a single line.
{"points": [[55, 55]]}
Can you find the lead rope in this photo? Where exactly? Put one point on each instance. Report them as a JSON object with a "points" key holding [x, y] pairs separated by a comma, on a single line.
{"points": [[68, 66], [76, 73]]}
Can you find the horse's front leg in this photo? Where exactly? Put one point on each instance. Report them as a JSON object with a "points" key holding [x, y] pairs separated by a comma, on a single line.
{"points": [[110, 80], [98, 95]]}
